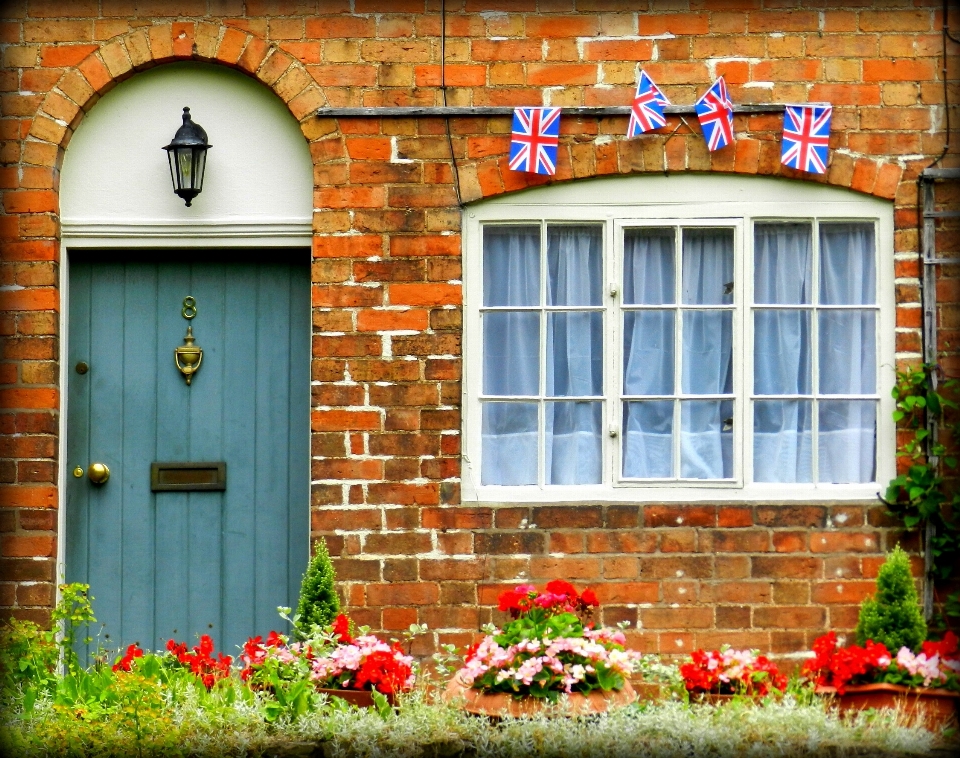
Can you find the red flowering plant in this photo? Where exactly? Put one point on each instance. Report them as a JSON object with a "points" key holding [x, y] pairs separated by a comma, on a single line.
{"points": [[200, 660], [551, 646], [731, 672], [331, 658], [125, 662], [833, 665]]}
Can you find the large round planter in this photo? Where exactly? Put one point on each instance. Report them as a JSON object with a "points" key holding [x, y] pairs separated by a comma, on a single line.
{"points": [[498, 704], [933, 708]]}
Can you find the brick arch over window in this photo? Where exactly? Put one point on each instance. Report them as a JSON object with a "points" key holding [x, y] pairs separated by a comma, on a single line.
{"points": [[661, 153], [103, 68]]}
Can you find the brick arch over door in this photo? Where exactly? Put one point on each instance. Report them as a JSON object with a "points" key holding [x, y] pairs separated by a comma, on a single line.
{"points": [[108, 64]]}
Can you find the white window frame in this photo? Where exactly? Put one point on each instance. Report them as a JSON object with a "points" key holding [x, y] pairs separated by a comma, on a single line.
{"points": [[688, 200]]}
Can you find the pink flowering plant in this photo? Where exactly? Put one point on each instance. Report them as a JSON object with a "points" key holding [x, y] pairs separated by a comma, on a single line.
{"points": [[549, 647]]}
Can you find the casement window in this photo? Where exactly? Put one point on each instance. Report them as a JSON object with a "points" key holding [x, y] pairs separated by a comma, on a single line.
{"points": [[678, 337]]}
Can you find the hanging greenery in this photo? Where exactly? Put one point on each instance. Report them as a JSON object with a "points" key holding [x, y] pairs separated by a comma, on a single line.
{"points": [[927, 496]]}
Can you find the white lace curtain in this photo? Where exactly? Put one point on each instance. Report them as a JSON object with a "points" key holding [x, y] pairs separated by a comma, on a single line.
{"points": [[572, 355], [706, 353], [783, 365], [561, 414]]}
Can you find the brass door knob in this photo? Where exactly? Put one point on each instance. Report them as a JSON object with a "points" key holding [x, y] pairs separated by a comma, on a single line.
{"points": [[98, 473]]}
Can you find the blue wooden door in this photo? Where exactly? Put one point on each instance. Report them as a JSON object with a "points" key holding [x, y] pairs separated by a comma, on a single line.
{"points": [[177, 564]]}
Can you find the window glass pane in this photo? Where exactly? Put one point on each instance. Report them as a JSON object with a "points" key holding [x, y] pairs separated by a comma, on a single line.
{"points": [[573, 443], [847, 441], [649, 275], [706, 439], [848, 352], [648, 350], [847, 264], [648, 439], [574, 265], [782, 441], [575, 353], [511, 265], [707, 266], [707, 367], [783, 270], [511, 353], [509, 444], [781, 352]]}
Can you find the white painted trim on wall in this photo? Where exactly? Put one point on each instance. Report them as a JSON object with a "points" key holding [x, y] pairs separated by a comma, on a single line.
{"points": [[279, 233], [678, 198]]}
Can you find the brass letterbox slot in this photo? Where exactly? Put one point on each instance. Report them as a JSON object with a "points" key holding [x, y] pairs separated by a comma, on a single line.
{"points": [[207, 476]]}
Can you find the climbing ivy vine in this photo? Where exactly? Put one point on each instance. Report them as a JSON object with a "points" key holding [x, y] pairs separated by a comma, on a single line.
{"points": [[927, 495]]}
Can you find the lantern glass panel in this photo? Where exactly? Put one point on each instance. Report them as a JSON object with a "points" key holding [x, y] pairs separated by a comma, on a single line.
{"points": [[185, 167], [201, 164]]}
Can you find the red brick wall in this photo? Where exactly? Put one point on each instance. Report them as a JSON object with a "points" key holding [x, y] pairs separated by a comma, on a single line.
{"points": [[387, 274]]}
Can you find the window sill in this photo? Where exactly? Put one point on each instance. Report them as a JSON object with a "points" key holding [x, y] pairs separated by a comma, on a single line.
{"points": [[660, 493]]}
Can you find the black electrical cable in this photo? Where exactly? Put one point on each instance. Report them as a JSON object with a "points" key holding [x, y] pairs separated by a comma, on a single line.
{"points": [[443, 93], [946, 24]]}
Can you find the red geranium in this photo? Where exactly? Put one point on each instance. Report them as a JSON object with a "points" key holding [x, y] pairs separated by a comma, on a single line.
{"points": [[945, 648], [558, 596], [341, 629], [133, 651], [200, 661], [834, 666], [731, 672], [383, 671]]}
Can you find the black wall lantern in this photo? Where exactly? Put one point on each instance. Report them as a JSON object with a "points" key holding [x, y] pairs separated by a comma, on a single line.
{"points": [[187, 154]]}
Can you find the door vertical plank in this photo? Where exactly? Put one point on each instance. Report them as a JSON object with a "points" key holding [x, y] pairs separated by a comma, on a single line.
{"points": [[299, 417], [139, 430], [78, 431], [106, 446], [205, 424], [239, 430], [173, 413], [272, 492]]}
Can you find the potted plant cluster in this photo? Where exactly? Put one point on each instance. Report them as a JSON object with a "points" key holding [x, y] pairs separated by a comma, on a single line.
{"points": [[332, 661], [550, 649], [322, 653], [892, 664], [726, 673]]}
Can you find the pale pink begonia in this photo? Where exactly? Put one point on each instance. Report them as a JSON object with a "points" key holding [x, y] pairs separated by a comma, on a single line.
{"points": [[928, 668]]}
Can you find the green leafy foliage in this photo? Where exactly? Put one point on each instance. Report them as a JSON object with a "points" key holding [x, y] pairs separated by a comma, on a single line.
{"points": [[319, 604], [893, 615], [927, 493], [30, 656]]}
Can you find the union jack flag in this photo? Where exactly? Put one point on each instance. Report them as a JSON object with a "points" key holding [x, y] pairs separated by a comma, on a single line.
{"points": [[806, 134], [647, 110], [715, 112], [533, 144]]}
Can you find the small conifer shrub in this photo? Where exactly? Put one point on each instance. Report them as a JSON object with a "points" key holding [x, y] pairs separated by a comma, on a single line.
{"points": [[319, 603], [892, 616]]}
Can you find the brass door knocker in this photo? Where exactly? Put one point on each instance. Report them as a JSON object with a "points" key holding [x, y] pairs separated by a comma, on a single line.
{"points": [[188, 355]]}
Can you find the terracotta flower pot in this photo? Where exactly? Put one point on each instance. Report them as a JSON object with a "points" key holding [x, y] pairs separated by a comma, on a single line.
{"points": [[359, 698], [934, 708], [499, 704]]}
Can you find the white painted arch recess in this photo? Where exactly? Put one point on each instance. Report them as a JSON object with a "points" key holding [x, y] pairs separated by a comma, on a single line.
{"points": [[258, 187]]}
